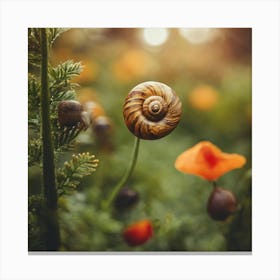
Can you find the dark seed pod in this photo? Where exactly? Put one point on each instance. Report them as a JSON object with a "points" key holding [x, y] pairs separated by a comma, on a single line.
{"points": [[102, 126], [221, 204], [126, 198], [69, 112]]}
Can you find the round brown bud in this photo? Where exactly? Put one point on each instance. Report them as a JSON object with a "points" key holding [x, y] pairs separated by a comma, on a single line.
{"points": [[69, 112], [102, 126], [126, 198], [221, 204]]}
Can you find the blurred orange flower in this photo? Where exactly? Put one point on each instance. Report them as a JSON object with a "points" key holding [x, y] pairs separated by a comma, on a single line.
{"points": [[203, 97], [94, 109], [131, 65], [59, 55], [88, 74], [208, 161], [138, 233], [87, 94]]}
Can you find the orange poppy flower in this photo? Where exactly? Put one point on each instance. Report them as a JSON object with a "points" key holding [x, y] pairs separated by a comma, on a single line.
{"points": [[138, 233], [208, 161]]}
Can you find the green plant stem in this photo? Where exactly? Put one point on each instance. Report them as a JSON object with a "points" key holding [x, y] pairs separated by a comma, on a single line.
{"points": [[214, 184], [124, 179], [49, 182]]}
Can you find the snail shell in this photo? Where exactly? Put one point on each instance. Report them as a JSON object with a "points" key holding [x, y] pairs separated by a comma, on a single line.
{"points": [[152, 110]]}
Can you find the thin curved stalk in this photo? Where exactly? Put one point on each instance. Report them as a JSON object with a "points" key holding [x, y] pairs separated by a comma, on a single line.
{"points": [[126, 176], [214, 184]]}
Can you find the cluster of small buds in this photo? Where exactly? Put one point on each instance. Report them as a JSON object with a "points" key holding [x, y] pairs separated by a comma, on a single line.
{"points": [[101, 125], [87, 155]]}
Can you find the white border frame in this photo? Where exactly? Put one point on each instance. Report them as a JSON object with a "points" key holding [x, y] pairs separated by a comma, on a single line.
{"points": [[17, 16]]}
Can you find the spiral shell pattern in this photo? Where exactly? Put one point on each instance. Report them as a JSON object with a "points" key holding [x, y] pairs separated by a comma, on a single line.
{"points": [[152, 110]]}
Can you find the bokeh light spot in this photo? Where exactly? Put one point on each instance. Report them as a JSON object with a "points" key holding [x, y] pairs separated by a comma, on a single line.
{"points": [[198, 35], [155, 36], [203, 97]]}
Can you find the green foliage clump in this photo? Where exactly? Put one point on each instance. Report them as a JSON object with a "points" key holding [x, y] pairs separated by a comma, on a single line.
{"points": [[34, 55], [61, 88]]}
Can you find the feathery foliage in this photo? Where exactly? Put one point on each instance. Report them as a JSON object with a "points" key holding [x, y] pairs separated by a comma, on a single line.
{"points": [[60, 86], [35, 232], [34, 151], [61, 89], [64, 72], [34, 56], [33, 102], [64, 138], [74, 170]]}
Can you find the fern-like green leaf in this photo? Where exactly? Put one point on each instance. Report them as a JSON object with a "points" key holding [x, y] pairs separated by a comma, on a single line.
{"points": [[64, 72], [54, 33], [35, 227], [35, 203], [62, 89], [70, 176], [34, 56], [34, 151], [64, 136], [34, 40], [60, 86], [64, 95], [33, 101]]}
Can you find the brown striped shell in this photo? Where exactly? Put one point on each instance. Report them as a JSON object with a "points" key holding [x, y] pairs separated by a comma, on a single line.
{"points": [[151, 110]]}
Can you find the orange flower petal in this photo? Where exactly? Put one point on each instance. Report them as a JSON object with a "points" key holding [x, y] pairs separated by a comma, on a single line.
{"points": [[208, 161]]}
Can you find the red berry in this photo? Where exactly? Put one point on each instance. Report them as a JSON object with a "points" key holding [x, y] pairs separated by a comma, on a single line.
{"points": [[138, 233], [221, 204]]}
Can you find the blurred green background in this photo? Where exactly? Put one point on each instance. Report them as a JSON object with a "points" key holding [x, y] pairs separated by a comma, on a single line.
{"points": [[210, 70]]}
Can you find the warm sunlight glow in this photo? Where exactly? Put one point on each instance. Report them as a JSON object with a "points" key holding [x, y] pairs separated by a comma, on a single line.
{"points": [[198, 35], [155, 36]]}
